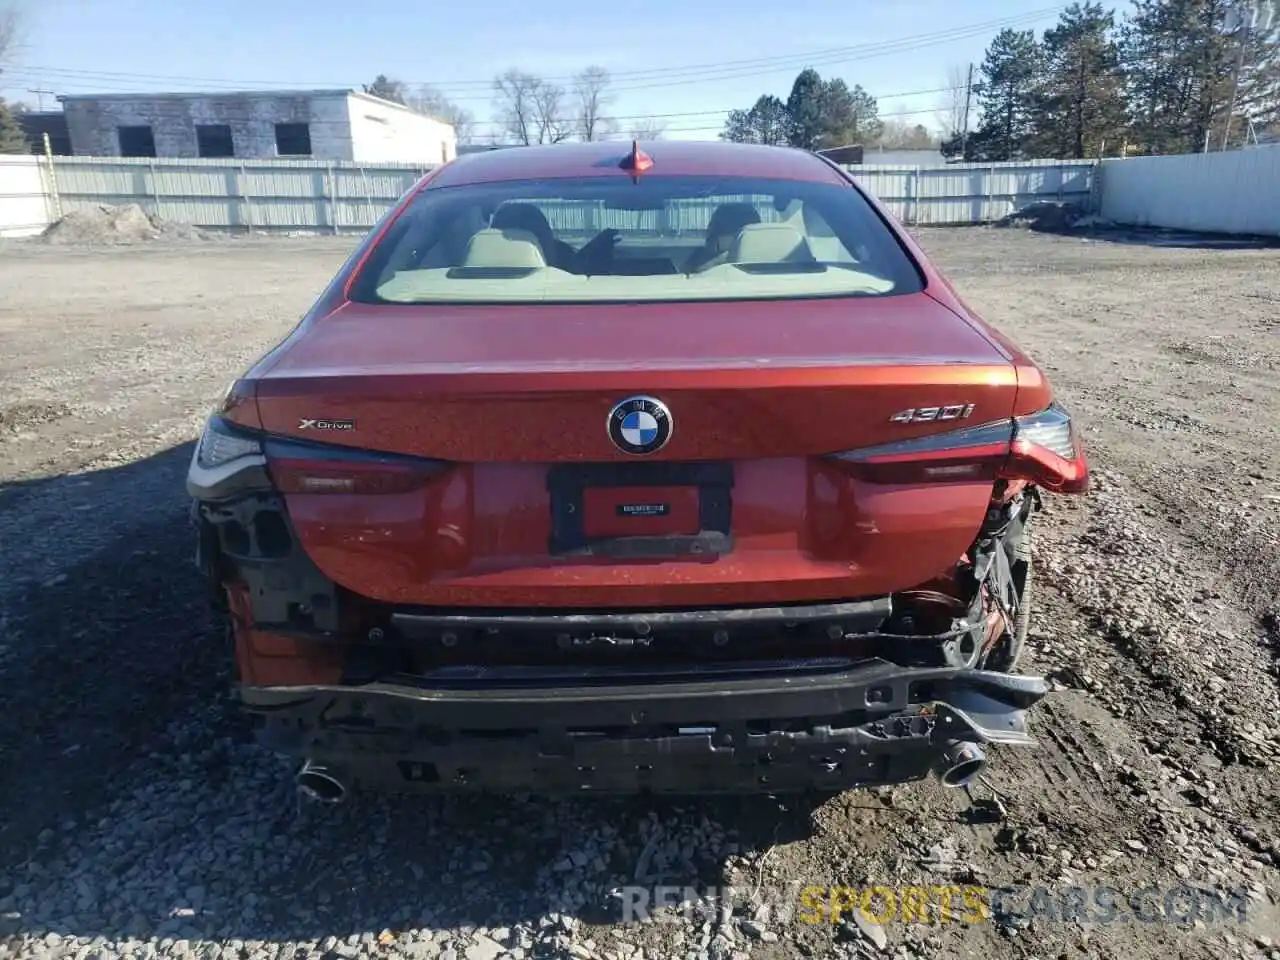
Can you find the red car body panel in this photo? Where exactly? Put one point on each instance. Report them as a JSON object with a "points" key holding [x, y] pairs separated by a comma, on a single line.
{"points": [[464, 383], [478, 538], [819, 578], [673, 158], [468, 385]]}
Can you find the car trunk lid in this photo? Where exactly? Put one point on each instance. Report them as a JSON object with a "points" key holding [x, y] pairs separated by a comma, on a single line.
{"points": [[474, 384]]}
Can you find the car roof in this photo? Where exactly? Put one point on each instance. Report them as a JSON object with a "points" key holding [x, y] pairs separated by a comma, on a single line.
{"points": [[605, 159]]}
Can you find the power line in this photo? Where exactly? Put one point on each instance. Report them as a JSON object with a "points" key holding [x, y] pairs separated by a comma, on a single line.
{"points": [[631, 80], [788, 61], [40, 93], [1122, 70], [720, 111], [175, 113], [80, 79]]}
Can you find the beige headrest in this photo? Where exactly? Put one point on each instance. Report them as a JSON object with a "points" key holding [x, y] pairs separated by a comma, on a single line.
{"points": [[814, 224], [769, 243], [504, 248]]}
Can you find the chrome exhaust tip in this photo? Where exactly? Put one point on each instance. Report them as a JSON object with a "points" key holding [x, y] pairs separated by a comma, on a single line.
{"points": [[320, 783], [961, 764]]}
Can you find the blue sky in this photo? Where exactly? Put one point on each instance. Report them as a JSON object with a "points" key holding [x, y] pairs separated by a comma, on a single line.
{"points": [[688, 60]]}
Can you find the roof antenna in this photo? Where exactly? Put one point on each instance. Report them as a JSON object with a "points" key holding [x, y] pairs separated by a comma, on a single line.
{"points": [[637, 161]]}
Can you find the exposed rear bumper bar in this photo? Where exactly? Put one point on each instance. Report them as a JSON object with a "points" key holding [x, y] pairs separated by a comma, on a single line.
{"points": [[865, 615], [747, 727]]}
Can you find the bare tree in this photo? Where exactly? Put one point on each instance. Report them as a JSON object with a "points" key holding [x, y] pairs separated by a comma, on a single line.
{"points": [[387, 88], [950, 111], [590, 89], [898, 135], [433, 103], [514, 97], [529, 109], [650, 129], [552, 122], [9, 22]]}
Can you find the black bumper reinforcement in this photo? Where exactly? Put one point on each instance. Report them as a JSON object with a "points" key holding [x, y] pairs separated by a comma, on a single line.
{"points": [[861, 615], [745, 727]]}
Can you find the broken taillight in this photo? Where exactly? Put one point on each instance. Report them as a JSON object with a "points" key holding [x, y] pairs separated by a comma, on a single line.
{"points": [[1041, 448], [1047, 451], [227, 460]]}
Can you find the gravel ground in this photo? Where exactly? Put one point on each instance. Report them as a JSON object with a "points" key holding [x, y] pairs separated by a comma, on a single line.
{"points": [[137, 820]]}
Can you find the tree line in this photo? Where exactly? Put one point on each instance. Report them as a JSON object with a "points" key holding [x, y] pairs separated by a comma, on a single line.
{"points": [[12, 139], [1170, 76], [528, 109], [1173, 76], [822, 113]]}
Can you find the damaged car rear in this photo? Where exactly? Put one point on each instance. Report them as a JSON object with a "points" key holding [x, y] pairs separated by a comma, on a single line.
{"points": [[673, 469]]}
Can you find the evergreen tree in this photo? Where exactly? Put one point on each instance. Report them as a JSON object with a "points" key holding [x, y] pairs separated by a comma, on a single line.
{"points": [[766, 122], [817, 114], [1180, 59], [805, 108], [1080, 101], [1006, 95], [12, 139], [848, 116]]}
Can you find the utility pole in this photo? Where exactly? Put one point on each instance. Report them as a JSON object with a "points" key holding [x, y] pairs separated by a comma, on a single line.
{"points": [[1238, 22], [40, 94], [964, 135]]}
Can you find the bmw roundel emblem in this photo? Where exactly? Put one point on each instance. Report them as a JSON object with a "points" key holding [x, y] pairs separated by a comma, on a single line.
{"points": [[640, 425]]}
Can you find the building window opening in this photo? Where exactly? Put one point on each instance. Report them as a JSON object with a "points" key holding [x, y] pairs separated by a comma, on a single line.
{"points": [[136, 141], [293, 139], [214, 140]]}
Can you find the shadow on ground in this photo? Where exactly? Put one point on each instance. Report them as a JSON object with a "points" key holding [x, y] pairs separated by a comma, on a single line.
{"points": [[1069, 219], [99, 655], [133, 802], [1154, 237]]}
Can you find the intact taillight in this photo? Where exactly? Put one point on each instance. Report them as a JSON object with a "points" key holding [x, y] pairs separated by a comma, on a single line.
{"points": [[298, 467], [1041, 448], [973, 453]]}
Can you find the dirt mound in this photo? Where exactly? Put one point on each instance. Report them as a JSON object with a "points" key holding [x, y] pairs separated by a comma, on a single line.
{"points": [[1044, 217], [106, 225]]}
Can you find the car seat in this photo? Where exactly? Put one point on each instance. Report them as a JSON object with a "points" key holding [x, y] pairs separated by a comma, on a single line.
{"points": [[508, 249], [726, 221], [527, 217], [770, 243]]}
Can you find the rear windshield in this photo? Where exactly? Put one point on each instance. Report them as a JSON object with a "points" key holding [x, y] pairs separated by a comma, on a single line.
{"points": [[608, 239]]}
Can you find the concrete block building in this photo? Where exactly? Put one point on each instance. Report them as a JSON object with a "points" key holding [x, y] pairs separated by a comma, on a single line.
{"points": [[256, 125]]}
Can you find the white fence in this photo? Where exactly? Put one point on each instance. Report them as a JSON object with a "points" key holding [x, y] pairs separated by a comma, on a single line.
{"points": [[1220, 192], [967, 193], [243, 195], [309, 195], [1236, 191], [24, 199]]}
